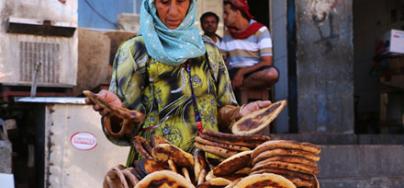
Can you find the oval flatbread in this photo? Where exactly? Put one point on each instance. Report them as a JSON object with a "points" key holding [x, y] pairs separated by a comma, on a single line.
{"points": [[258, 120], [165, 152], [289, 166], [115, 178], [288, 159], [285, 173], [233, 164], [266, 180], [164, 179], [284, 152], [286, 144]]}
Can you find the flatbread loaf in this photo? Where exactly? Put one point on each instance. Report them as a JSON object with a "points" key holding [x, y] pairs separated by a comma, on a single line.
{"points": [[266, 180], [164, 179], [258, 120]]}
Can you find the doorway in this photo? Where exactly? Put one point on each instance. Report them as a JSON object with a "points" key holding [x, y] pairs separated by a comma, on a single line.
{"points": [[260, 11], [378, 109]]}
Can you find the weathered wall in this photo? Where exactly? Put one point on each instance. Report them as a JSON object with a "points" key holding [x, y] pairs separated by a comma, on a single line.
{"points": [[5, 156], [325, 66], [93, 65], [43, 10], [117, 38]]}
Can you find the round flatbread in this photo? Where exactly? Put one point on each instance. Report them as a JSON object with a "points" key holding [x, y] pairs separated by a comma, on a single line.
{"points": [[164, 179], [218, 181], [233, 164], [266, 180], [248, 144], [200, 162], [285, 173], [286, 144], [221, 152], [130, 177], [232, 137], [284, 152], [289, 166], [115, 178], [165, 152], [258, 120], [289, 159], [299, 182], [203, 141], [151, 165]]}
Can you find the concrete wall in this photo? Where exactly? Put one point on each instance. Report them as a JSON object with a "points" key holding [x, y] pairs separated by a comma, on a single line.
{"points": [[5, 157], [56, 11], [93, 65], [325, 66]]}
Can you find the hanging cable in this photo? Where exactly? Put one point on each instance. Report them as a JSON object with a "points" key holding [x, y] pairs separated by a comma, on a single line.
{"points": [[117, 25]]}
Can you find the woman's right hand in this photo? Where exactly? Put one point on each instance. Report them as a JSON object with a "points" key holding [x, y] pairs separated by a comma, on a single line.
{"points": [[109, 98]]}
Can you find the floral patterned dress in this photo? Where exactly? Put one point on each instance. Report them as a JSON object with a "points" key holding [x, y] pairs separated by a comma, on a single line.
{"points": [[163, 92]]}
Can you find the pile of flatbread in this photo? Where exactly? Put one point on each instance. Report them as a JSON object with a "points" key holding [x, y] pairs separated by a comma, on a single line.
{"points": [[297, 161], [244, 131], [225, 145], [272, 164], [162, 165], [246, 160]]}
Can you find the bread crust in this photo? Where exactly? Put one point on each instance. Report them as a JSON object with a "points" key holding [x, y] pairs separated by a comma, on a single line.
{"points": [[258, 120]]}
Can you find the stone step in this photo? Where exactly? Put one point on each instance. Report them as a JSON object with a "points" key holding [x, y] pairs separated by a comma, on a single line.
{"points": [[362, 166], [361, 161], [371, 182], [343, 139]]}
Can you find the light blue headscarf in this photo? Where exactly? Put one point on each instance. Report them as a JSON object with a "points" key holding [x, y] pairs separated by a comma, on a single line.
{"points": [[170, 46]]}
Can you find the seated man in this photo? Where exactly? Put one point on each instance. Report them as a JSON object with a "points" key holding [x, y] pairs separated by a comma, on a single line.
{"points": [[247, 47], [209, 22]]}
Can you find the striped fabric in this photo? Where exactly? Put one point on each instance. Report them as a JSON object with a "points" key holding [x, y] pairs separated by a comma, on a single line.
{"points": [[246, 52]]}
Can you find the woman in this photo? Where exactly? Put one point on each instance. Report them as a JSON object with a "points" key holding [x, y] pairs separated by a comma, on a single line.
{"points": [[170, 75]]}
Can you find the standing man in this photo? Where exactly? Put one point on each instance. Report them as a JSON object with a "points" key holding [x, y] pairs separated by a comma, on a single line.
{"points": [[247, 47], [209, 22]]}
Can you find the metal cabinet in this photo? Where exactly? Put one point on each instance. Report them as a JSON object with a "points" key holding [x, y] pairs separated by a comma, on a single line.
{"points": [[38, 38], [72, 150]]}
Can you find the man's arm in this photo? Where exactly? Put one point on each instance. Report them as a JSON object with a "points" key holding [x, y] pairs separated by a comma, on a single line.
{"points": [[265, 61], [238, 79], [265, 50]]}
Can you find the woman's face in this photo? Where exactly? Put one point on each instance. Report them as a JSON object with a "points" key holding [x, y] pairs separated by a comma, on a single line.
{"points": [[172, 12]]}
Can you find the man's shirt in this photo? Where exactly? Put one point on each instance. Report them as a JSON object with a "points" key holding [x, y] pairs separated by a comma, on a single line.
{"points": [[246, 52]]}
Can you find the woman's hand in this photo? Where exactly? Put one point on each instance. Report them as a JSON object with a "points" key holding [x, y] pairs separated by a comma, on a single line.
{"points": [[117, 120], [109, 98], [253, 106]]}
